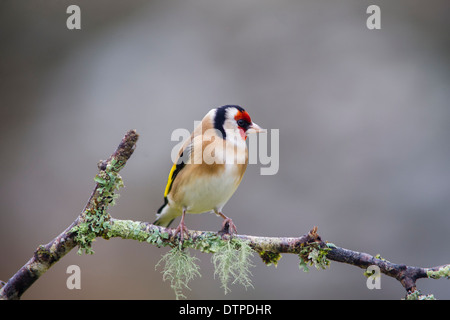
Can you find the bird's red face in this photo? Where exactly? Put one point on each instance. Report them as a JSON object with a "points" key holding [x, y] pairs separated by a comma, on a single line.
{"points": [[235, 118], [244, 122]]}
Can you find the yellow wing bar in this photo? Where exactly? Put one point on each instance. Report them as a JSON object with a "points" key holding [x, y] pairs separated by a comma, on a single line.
{"points": [[170, 180]]}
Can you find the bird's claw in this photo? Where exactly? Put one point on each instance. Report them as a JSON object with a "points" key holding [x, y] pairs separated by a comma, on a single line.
{"points": [[228, 227], [182, 230]]}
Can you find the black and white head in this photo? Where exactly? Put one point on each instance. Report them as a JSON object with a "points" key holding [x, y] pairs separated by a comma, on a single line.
{"points": [[233, 122]]}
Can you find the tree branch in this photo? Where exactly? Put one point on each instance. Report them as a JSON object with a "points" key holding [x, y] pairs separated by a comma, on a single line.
{"points": [[406, 275], [47, 255], [144, 231], [94, 222]]}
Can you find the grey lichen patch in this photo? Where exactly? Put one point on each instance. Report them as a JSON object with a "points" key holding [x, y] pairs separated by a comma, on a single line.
{"points": [[232, 260], [179, 267]]}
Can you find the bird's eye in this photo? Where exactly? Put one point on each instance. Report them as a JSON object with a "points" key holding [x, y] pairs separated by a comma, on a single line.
{"points": [[242, 123]]}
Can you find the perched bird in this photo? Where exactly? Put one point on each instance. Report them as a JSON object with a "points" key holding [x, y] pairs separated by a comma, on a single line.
{"points": [[209, 168]]}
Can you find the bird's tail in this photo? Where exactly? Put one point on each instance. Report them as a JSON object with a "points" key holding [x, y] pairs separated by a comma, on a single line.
{"points": [[165, 215]]}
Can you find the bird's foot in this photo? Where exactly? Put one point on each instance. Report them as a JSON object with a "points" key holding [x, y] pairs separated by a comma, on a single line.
{"points": [[182, 230], [228, 227]]}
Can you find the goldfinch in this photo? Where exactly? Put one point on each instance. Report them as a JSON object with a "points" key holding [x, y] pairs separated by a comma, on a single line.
{"points": [[209, 168]]}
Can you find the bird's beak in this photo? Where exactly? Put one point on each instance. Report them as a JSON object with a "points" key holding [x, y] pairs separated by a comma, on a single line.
{"points": [[254, 128]]}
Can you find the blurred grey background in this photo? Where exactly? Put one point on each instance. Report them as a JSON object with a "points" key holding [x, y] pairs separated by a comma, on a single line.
{"points": [[363, 118]]}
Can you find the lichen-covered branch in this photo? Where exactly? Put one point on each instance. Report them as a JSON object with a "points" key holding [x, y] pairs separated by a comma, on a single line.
{"points": [[205, 240], [310, 248], [94, 222], [103, 194]]}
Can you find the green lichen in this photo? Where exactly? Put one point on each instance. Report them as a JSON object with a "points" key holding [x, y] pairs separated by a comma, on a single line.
{"points": [[416, 295], [94, 220], [129, 229], [313, 255], [157, 238], [42, 252], [269, 257], [368, 273], [209, 242], [379, 257], [443, 272]]}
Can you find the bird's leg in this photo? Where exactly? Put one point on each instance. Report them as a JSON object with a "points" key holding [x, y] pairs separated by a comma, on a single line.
{"points": [[228, 227], [181, 229]]}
